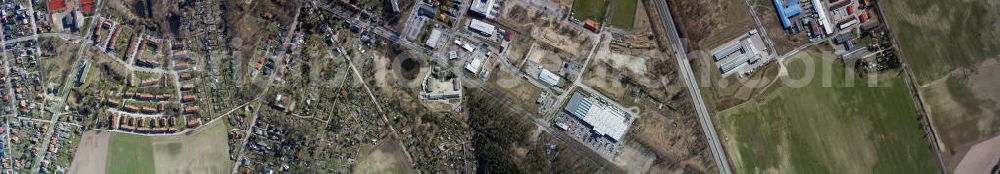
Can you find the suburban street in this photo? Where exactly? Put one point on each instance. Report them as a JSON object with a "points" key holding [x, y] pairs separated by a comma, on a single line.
{"points": [[703, 117]]}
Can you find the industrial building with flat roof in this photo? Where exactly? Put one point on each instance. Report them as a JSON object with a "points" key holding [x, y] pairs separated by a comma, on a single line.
{"points": [[786, 12], [432, 40], [548, 77], [473, 66], [741, 52], [602, 118], [484, 8], [824, 20], [481, 27]]}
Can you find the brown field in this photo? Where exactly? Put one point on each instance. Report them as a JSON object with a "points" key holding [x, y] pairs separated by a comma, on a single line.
{"points": [[547, 56], [517, 88], [386, 158], [91, 155], [722, 93], [57, 56], [247, 29], [677, 141], [707, 24], [982, 157], [202, 151], [783, 42], [635, 158], [963, 107], [545, 26]]}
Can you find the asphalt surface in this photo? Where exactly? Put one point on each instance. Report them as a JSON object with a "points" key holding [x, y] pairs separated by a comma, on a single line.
{"points": [[703, 117]]}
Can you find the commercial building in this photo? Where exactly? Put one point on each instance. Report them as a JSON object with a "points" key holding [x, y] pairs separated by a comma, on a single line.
{"points": [[745, 51], [473, 66], [548, 77], [786, 11], [482, 28], [603, 119], [484, 8], [432, 40], [824, 20]]}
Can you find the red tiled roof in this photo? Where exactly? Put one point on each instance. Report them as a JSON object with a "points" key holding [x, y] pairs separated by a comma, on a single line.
{"points": [[57, 5], [87, 8]]}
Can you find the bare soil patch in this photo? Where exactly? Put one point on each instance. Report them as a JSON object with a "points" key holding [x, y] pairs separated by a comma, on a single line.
{"points": [[202, 151], [963, 108], [92, 154]]}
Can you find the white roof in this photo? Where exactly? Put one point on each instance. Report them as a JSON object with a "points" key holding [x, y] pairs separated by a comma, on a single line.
{"points": [[823, 19], [469, 47], [482, 26], [548, 77], [484, 7], [433, 39], [604, 119], [474, 65]]}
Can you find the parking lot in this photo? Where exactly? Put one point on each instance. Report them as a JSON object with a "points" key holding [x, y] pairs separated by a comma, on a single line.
{"points": [[582, 133]]}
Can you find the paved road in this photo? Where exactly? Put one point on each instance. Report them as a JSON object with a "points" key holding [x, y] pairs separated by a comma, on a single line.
{"points": [[692, 85]]}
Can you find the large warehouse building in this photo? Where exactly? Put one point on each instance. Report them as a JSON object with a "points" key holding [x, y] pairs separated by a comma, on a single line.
{"points": [[481, 27], [602, 118], [786, 12], [484, 8]]}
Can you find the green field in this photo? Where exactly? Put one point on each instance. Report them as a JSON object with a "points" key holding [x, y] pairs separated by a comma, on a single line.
{"points": [[129, 154], [204, 150], [938, 36], [623, 13], [838, 129], [589, 9]]}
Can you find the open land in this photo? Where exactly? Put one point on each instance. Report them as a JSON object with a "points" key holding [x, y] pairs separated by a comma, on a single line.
{"points": [[202, 151], [707, 24], [817, 129], [91, 156], [952, 49], [386, 158], [783, 41]]}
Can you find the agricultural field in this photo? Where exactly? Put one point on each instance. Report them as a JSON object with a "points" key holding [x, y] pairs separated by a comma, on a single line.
{"points": [[590, 9], [129, 154], [201, 151], [830, 128], [623, 13], [939, 36], [952, 50]]}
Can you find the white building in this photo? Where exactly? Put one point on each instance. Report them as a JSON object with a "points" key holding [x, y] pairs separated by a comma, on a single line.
{"points": [[604, 119], [482, 28], [473, 66], [484, 8], [824, 20], [548, 77], [432, 40]]}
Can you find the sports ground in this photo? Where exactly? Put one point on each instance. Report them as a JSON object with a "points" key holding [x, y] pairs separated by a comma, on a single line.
{"points": [[589, 9], [834, 129]]}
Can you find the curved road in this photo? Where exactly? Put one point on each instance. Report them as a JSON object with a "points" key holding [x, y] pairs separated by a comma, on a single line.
{"points": [[692, 85]]}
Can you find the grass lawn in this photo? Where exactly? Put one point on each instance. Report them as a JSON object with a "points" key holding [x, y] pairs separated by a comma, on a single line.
{"points": [[590, 9], [938, 36], [129, 154], [839, 129], [623, 13]]}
